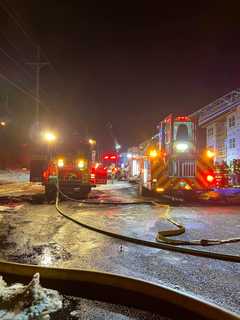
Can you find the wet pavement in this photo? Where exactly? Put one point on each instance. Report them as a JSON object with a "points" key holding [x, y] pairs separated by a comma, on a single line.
{"points": [[36, 233]]}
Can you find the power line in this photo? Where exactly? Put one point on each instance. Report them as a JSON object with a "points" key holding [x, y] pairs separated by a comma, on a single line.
{"points": [[21, 67], [21, 89], [6, 9], [27, 35], [15, 18], [16, 63]]}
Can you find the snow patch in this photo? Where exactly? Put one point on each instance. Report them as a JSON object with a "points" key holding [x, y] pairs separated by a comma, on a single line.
{"points": [[19, 302]]}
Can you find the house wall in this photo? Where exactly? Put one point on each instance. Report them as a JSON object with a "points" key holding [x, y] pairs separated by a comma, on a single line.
{"points": [[223, 135]]}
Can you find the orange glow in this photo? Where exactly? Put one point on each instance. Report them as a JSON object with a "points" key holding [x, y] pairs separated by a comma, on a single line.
{"points": [[60, 163], [210, 178], [211, 154], [45, 174], [160, 189], [153, 153]]}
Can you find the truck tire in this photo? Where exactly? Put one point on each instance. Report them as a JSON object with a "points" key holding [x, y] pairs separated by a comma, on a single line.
{"points": [[50, 193], [82, 193]]}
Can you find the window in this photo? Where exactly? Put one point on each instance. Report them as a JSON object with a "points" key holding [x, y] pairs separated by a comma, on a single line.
{"points": [[168, 132], [210, 132], [232, 143], [183, 131], [231, 121]]}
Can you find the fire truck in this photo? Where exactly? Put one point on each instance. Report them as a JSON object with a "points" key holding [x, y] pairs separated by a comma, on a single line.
{"points": [[110, 161], [175, 158], [69, 165], [99, 174]]}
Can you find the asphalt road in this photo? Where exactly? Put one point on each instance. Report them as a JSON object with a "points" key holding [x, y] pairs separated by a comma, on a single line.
{"points": [[37, 234]]}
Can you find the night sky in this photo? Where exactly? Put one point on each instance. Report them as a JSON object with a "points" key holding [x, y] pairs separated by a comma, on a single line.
{"points": [[129, 62]]}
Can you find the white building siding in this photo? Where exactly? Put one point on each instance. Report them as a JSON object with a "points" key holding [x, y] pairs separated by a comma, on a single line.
{"points": [[233, 135], [223, 135], [211, 136]]}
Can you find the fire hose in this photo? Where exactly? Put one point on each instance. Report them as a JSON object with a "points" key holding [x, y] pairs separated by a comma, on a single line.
{"points": [[163, 242]]}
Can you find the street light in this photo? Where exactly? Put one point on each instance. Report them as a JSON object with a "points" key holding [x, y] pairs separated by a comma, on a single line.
{"points": [[92, 141], [118, 146], [49, 136], [3, 124]]}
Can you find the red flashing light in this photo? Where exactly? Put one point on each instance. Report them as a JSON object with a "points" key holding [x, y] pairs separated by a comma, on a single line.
{"points": [[209, 178], [182, 118], [45, 174], [113, 157], [106, 157]]}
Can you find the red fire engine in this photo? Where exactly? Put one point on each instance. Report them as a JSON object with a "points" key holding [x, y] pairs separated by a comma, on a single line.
{"points": [[175, 160], [99, 174], [110, 161], [69, 165]]}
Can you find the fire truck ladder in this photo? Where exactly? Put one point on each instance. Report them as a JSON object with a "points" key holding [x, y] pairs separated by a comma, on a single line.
{"points": [[218, 107]]}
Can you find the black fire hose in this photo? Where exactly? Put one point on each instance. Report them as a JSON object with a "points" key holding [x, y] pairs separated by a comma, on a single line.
{"points": [[159, 245]]}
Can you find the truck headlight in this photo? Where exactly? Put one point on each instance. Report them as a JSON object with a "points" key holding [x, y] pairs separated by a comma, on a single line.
{"points": [[60, 163], [81, 164], [181, 146]]}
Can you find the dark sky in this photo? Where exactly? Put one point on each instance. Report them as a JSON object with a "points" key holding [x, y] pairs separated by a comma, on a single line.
{"points": [[132, 62]]}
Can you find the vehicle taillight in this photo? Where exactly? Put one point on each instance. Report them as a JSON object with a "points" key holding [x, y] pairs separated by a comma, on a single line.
{"points": [[45, 174]]}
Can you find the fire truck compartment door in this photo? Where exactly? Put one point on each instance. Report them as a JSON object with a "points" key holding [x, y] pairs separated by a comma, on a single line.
{"points": [[36, 170]]}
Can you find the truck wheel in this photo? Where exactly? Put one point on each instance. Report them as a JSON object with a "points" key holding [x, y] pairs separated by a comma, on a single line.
{"points": [[50, 193], [83, 194]]}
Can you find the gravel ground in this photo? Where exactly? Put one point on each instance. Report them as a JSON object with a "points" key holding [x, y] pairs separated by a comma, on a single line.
{"points": [[37, 234], [83, 309]]}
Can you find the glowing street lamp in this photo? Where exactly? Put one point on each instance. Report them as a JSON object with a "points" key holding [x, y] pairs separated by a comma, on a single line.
{"points": [[49, 136], [92, 141], [3, 124], [118, 146]]}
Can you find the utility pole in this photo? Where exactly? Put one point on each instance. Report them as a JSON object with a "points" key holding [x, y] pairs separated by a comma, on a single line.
{"points": [[38, 65]]}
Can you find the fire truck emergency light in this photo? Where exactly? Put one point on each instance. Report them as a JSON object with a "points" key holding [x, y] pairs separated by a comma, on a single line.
{"points": [[181, 147], [210, 154], [153, 153], [210, 178]]}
